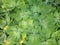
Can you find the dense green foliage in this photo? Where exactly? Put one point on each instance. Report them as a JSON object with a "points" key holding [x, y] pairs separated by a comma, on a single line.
{"points": [[29, 22]]}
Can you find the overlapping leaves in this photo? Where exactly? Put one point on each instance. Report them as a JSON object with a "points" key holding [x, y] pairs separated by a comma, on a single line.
{"points": [[29, 22]]}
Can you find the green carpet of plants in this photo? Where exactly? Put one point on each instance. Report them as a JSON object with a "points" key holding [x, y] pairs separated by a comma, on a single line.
{"points": [[29, 22]]}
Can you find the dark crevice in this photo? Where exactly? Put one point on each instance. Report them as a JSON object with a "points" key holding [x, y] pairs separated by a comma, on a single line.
{"points": [[58, 28], [6, 34], [1, 29], [23, 44], [43, 0]]}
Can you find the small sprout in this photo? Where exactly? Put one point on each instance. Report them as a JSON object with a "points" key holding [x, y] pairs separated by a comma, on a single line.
{"points": [[6, 42], [21, 41], [31, 22], [3, 6], [6, 27], [11, 20], [24, 36]]}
